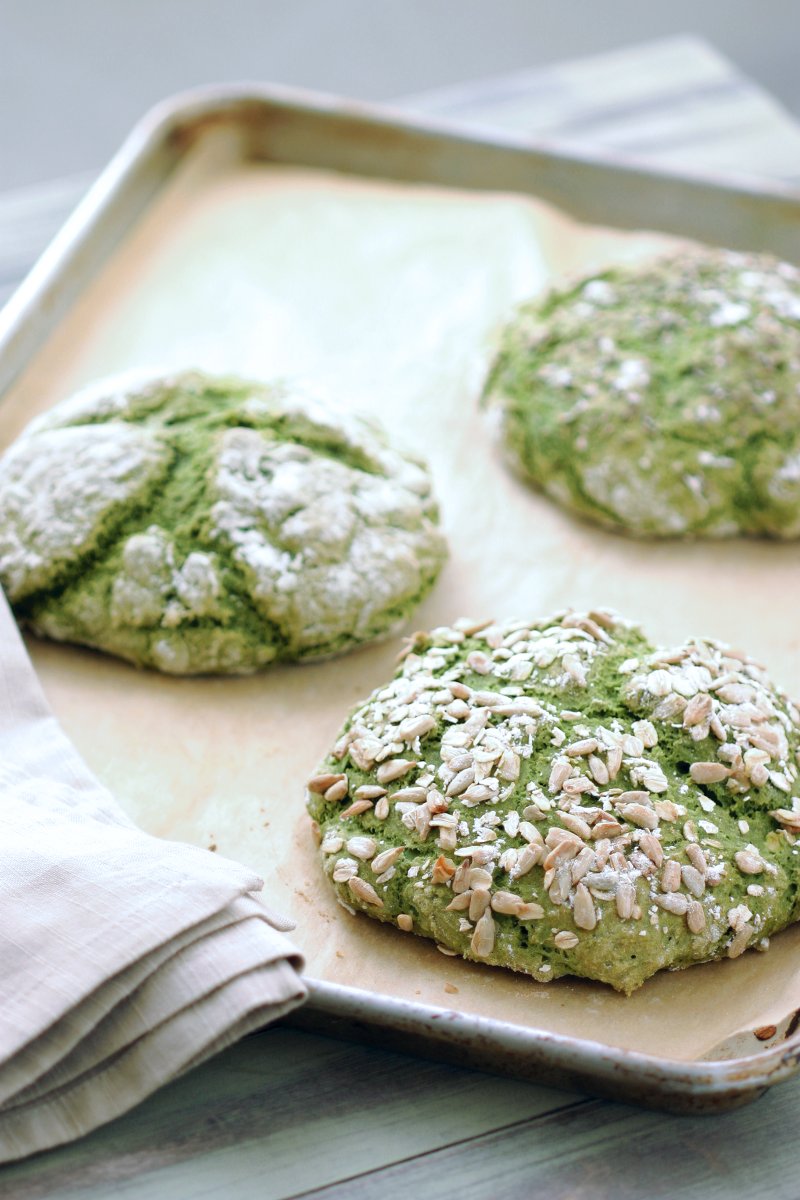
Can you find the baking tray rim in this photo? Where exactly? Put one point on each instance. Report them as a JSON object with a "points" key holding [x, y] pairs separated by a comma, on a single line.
{"points": [[695, 1077], [163, 123], [710, 1082]]}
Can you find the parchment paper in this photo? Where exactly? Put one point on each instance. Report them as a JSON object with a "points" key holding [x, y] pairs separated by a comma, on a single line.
{"points": [[388, 298]]}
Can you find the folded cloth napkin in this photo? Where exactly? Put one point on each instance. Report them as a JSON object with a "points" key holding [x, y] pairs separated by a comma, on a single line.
{"points": [[124, 959]]}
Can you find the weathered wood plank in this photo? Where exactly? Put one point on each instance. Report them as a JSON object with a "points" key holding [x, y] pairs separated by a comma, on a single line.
{"points": [[283, 1112], [607, 1152], [675, 101]]}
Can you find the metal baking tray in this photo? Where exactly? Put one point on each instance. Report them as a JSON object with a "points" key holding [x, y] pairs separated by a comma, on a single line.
{"points": [[255, 125]]}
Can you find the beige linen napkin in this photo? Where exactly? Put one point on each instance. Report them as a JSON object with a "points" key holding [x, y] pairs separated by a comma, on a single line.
{"points": [[124, 959]]}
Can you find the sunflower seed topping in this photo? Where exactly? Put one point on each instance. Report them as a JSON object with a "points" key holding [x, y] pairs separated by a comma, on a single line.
{"points": [[337, 791], [387, 858], [362, 847], [482, 942], [749, 861], [364, 891], [321, 783], [515, 795], [393, 769], [695, 917]]}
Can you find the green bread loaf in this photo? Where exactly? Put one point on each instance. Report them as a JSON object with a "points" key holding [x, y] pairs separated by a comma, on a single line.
{"points": [[661, 400], [561, 797], [198, 524]]}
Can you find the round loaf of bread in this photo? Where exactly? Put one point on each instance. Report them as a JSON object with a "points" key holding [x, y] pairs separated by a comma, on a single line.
{"points": [[661, 400], [197, 524], [562, 797]]}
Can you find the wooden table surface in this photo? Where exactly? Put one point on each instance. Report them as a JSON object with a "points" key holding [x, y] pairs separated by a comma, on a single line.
{"points": [[288, 1113]]}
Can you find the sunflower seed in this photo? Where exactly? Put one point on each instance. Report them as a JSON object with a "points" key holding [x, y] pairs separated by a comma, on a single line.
{"points": [[695, 917], [652, 847], [561, 853], [575, 824], [632, 746], [669, 708], [605, 828], [443, 870], [659, 683], [530, 833], [583, 747], [506, 902], [638, 814], [788, 818], [369, 791], [574, 669], [460, 782], [749, 862], [482, 942], [387, 858], [583, 911], [479, 662], [355, 809], [364, 751], [780, 781], [337, 791], [364, 891], [708, 772], [479, 879], [740, 941], [527, 858], [409, 795], [666, 810], [321, 783], [646, 733], [673, 902], [625, 899], [344, 869], [698, 710], [508, 767], [414, 727], [362, 847], [478, 903], [559, 774], [693, 881], [393, 768], [632, 798], [598, 769]]}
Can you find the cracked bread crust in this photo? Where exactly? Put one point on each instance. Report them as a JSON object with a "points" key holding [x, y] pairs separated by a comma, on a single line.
{"points": [[198, 524], [661, 400]]}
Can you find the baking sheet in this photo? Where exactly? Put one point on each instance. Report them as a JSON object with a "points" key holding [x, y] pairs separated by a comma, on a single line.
{"points": [[387, 298]]}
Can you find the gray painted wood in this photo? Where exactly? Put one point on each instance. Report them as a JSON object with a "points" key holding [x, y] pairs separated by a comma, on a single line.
{"points": [[281, 1113], [606, 1152]]}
